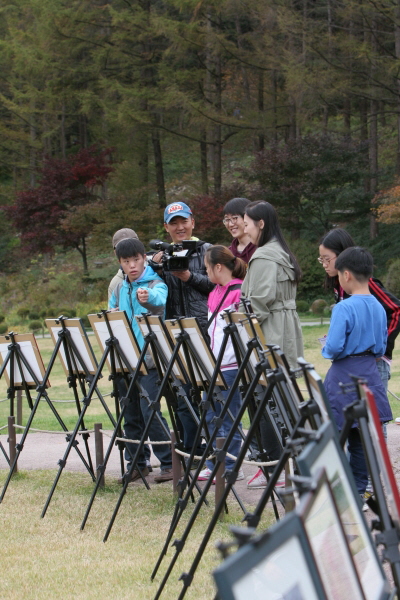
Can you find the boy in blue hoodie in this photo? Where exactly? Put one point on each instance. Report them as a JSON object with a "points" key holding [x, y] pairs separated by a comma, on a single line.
{"points": [[141, 291]]}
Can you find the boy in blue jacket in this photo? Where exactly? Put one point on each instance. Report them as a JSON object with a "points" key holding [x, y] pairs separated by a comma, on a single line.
{"points": [[141, 291], [356, 339]]}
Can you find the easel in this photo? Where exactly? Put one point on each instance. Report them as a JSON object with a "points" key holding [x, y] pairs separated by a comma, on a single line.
{"points": [[117, 359], [196, 367], [73, 355], [389, 535], [16, 368], [158, 355], [231, 476]]}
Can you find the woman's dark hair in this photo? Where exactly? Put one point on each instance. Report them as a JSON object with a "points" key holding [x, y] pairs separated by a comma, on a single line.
{"points": [[236, 206], [129, 247], [223, 256], [335, 240], [260, 210]]}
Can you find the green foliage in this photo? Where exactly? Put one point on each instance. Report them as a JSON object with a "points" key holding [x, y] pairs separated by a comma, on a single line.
{"points": [[314, 180], [392, 282], [34, 315], [311, 284], [302, 306], [2, 317], [3, 328], [23, 312], [318, 306], [35, 325]]}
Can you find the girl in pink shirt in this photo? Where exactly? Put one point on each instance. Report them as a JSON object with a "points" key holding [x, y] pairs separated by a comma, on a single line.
{"points": [[227, 272]]}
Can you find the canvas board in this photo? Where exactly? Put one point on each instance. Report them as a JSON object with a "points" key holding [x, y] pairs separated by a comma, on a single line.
{"points": [[30, 351], [382, 454], [80, 340], [192, 328], [161, 333], [329, 542], [122, 331], [325, 452], [277, 566], [316, 390], [246, 334]]}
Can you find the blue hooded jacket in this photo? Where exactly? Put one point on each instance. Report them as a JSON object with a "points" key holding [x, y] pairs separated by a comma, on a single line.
{"points": [[125, 298]]}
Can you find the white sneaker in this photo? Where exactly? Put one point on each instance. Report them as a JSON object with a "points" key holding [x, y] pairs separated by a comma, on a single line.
{"points": [[204, 475], [258, 481], [240, 475]]}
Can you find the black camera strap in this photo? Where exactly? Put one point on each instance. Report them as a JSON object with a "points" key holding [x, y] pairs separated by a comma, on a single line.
{"points": [[235, 286]]}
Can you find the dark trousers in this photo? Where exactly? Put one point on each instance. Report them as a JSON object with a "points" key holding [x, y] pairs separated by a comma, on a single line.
{"points": [[137, 413]]}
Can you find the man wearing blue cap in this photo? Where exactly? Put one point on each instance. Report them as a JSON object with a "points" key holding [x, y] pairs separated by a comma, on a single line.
{"points": [[187, 290]]}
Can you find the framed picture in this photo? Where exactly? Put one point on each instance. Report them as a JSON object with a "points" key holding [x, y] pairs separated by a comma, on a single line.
{"points": [[277, 565], [122, 331], [247, 328], [382, 454], [200, 346], [81, 342], [325, 452], [315, 388], [290, 393], [30, 351], [328, 540], [165, 343]]}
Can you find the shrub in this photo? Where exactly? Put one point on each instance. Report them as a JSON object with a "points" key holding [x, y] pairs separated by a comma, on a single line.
{"points": [[23, 312], [2, 317], [302, 306], [67, 312], [3, 328], [393, 278], [34, 316], [318, 307], [35, 325]]}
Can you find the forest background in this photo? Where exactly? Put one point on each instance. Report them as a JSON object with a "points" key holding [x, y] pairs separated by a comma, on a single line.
{"points": [[111, 110]]}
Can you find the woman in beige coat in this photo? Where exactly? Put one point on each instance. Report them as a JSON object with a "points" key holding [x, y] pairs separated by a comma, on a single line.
{"points": [[271, 281], [270, 285]]}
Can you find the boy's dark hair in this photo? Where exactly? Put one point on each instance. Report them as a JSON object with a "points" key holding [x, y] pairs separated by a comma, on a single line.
{"points": [[356, 260], [129, 247], [236, 206]]}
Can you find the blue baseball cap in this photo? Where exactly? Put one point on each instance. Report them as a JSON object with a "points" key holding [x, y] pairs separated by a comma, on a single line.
{"points": [[177, 209]]}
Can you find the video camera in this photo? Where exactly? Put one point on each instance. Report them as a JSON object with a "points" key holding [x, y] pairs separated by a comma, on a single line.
{"points": [[169, 261]]}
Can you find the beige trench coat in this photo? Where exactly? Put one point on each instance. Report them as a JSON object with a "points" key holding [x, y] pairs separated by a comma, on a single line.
{"points": [[271, 288]]}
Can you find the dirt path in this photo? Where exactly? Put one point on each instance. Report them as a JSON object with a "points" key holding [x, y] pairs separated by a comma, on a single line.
{"points": [[44, 450]]}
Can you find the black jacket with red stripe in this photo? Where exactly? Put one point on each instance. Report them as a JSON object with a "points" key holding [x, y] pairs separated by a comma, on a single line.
{"points": [[390, 303]]}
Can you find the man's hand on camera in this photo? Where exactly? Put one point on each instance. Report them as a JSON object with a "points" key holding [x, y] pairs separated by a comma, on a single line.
{"points": [[157, 257], [182, 275]]}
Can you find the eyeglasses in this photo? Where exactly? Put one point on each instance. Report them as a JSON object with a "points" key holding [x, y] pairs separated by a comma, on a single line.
{"points": [[232, 220], [323, 260]]}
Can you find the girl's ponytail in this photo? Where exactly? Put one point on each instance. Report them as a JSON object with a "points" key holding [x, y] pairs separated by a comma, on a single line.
{"points": [[223, 256]]}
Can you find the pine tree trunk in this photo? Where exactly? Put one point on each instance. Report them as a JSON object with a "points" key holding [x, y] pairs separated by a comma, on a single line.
{"points": [[397, 49], [158, 163], [203, 162]]}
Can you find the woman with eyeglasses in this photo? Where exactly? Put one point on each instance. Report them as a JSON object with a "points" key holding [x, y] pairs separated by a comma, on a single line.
{"points": [[241, 245], [331, 245]]}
